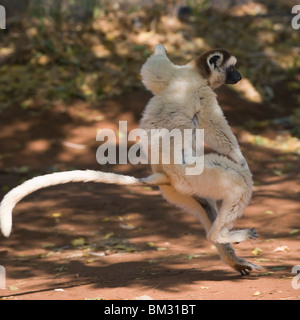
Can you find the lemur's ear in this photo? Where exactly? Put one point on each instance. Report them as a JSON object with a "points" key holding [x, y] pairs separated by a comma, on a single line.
{"points": [[213, 60]]}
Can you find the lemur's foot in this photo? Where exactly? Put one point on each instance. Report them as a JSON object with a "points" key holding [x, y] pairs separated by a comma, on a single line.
{"points": [[252, 233], [241, 265], [233, 236], [244, 267]]}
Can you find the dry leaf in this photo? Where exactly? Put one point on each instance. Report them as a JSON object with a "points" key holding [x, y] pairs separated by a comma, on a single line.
{"points": [[262, 260], [150, 244], [61, 269], [109, 235], [278, 268], [56, 215], [294, 231], [256, 251], [282, 249], [269, 212], [13, 288], [97, 254], [78, 242], [127, 226], [89, 261], [263, 274]]}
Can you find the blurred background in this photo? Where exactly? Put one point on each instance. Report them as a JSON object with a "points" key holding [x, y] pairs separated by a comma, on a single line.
{"points": [[93, 49], [65, 63], [58, 50], [70, 68]]}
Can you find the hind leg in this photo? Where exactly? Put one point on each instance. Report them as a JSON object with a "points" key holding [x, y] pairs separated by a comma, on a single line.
{"points": [[225, 250], [186, 203], [232, 207], [228, 256], [205, 211], [224, 180]]}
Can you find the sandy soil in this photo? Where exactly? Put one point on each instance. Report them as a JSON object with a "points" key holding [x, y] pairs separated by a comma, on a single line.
{"points": [[94, 241]]}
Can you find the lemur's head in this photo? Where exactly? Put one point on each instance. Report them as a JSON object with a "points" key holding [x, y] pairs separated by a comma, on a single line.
{"points": [[218, 67]]}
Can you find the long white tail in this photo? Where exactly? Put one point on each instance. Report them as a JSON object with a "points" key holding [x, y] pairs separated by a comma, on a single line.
{"points": [[29, 186]]}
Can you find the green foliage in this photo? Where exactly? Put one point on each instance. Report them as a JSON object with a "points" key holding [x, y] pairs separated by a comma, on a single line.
{"points": [[66, 50]]}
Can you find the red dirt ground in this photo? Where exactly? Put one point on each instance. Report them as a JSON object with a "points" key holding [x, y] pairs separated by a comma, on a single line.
{"points": [[94, 241]]}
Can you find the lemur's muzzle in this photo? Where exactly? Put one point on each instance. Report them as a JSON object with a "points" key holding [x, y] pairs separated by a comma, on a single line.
{"points": [[233, 77]]}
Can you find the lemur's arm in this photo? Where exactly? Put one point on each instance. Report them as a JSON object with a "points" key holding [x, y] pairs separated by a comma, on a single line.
{"points": [[158, 70]]}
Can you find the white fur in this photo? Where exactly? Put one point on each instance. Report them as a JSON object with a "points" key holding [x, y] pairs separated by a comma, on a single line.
{"points": [[184, 96], [231, 61], [158, 70], [183, 100], [34, 184]]}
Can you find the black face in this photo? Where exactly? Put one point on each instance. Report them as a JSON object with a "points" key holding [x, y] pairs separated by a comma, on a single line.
{"points": [[232, 75]]}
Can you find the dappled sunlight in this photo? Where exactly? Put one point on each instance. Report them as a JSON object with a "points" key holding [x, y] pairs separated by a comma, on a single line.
{"points": [[282, 142], [285, 143], [68, 72], [5, 52], [103, 58], [246, 88]]}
